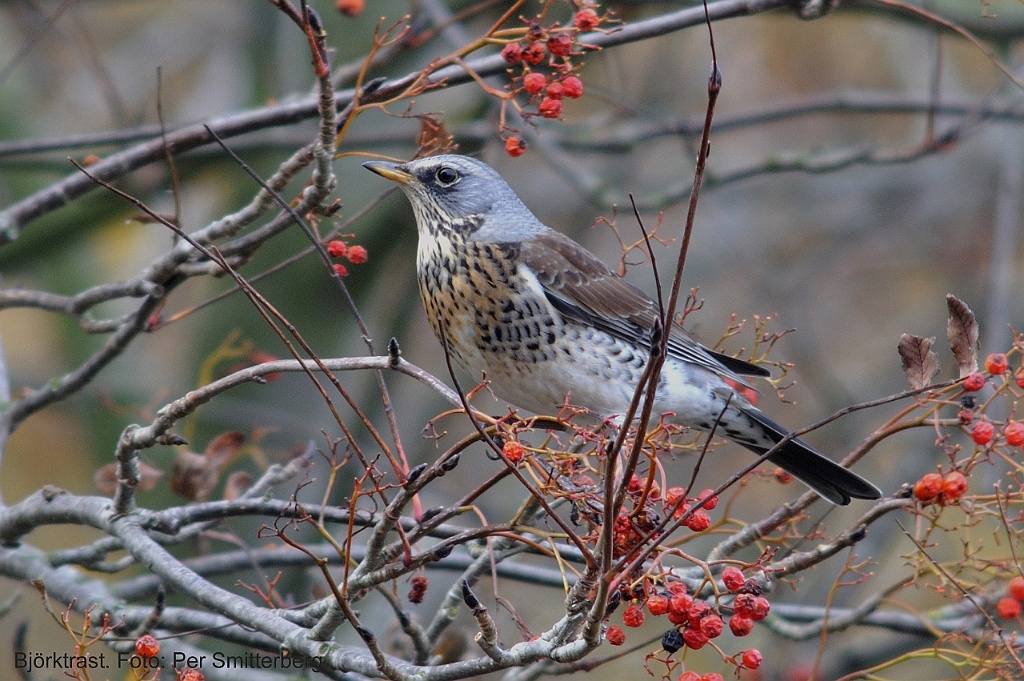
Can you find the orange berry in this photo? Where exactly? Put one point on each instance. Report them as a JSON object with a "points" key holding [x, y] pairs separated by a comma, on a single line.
{"points": [[975, 381], [1008, 608], [515, 146], [357, 255], [615, 635], [953, 486], [928, 488], [996, 364], [982, 432], [513, 451], [350, 8], [147, 646]]}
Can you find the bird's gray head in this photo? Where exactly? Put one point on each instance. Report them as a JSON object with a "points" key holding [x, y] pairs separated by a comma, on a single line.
{"points": [[462, 194]]}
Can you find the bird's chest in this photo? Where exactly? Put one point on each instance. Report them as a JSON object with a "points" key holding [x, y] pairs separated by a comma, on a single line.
{"points": [[492, 317]]}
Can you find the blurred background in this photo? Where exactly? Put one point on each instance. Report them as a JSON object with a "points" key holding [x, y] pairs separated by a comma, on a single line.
{"points": [[829, 204]]}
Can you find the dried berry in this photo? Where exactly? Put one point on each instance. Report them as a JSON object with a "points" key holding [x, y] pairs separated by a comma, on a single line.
{"points": [[572, 87], [657, 605], [512, 53], [534, 82], [147, 646], [533, 54], [513, 451], [550, 107], [694, 638], [672, 641], [953, 486], [586, 20], [740, 625], [560, 45], [1014, 433], [515, 146], [633, 616], [615, 635], [733, 578], [974, 382], [982, 432]]}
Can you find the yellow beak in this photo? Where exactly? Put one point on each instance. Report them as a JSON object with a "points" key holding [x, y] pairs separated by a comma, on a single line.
{"points": [[389, 171]]}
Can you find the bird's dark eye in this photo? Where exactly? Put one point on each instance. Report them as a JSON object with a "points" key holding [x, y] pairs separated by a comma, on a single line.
{"points": [[446, 176]]}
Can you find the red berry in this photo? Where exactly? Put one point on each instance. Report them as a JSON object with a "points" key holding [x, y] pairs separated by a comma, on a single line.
{"points": [[694, 638], [974, 382], [711, 626], [1019, 378], [712, 500], [698, 611], [572, 87], [673, 495], [533, 54], [676, 588], [761, 608], [340, 269], [982, 432], [657, 605], [689, 676], [337, 249], [515, 146], [733, 578], [513, 451], [191, 675], [615, 635], [633, 616], [1016, 588], [512, 53], [357, 255], [996, 364], [928, 488], [352, 8], [1008, 608], [680, 603], [740, 625], [550, 107], [751, 659], [147, 646], [586, 20], [1014, 433], [711, 676], [534, 82], [556, 90], [953, 486], [783, 476], [698, 521], [560, 45]]}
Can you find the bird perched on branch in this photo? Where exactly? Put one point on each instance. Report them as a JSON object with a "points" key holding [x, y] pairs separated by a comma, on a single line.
{"points": [[545, 319]]}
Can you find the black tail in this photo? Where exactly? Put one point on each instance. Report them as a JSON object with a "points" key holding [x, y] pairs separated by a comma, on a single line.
{"points": [[814, 469]]}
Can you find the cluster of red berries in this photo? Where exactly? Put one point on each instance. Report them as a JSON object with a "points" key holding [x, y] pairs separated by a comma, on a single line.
{"points": [[1009, 607], [543, 59], [996, 364], [934, 488], [355, 254], [698, 520], [418, 589]]}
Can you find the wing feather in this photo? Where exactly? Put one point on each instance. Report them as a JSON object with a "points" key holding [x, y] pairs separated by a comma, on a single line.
{"points": [[583, 289]]}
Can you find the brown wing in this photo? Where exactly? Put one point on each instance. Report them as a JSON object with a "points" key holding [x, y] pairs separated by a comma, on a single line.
{"points": [[583, 289]]}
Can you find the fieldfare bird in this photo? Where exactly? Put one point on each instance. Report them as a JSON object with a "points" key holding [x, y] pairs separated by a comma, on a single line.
{"points": [[545, 319]]}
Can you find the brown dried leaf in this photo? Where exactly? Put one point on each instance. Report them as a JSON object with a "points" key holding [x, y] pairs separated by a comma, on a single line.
{"points": [[223, 448], [193, 476], [962, 331], [434, 138], [920, 363]]}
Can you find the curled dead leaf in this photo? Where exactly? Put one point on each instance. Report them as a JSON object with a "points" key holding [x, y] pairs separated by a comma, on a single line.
{"points": [[920, 363], [962, 332]]}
